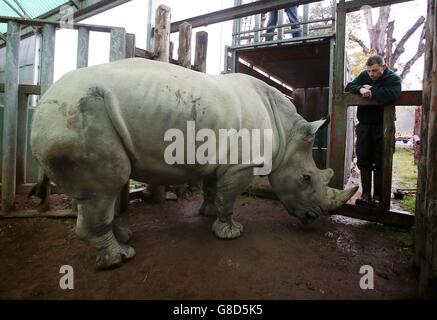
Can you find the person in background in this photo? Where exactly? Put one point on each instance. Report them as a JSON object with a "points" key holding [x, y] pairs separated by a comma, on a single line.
{"points": [[292, 16], [378, 83]]}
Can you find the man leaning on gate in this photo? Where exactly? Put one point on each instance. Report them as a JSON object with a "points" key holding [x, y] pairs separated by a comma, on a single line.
{"points": [[381, 84]]}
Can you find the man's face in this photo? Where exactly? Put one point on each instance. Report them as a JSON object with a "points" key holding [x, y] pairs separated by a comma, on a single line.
{"points": [[375, 71]]}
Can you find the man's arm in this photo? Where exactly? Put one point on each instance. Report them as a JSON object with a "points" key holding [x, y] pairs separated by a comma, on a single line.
{"points": [[389, 93], [355, 85]]}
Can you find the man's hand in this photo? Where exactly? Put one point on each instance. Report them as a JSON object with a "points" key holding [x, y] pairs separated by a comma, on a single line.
{"points": [[367, 86], [366, 93]]}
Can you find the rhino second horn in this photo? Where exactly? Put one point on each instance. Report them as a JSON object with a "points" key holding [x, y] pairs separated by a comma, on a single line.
{"points": [[337, 198]]}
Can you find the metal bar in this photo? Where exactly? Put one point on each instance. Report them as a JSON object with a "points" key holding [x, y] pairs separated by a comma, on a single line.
{"points": [[356, 5], [83, 43], [24, 89], [10, 117], [41, 23], [47, 57], [117, 44], [257, 26], [150, 23], [287, 25], [283, 42], [130, 45], [236, 12], [306, 16], [280, 28], [22, 138], [330, 99], [236, 25]]}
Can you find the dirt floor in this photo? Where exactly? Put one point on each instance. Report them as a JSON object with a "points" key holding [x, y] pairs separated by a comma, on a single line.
{"points": [[179, 258]]}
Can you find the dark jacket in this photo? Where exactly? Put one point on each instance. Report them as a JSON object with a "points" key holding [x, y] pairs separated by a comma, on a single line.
{"points": [[385, 90]]}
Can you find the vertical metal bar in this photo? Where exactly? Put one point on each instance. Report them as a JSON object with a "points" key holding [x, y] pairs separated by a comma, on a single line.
{"points": [[10, 117], [236, 26], [387, 159], [47, 57], [339, 109], [257, 26], [150, 23], [280, 23], [306, 16], [226, 59], [130, 45], [22, 138], [83, 40], [118, 44]]}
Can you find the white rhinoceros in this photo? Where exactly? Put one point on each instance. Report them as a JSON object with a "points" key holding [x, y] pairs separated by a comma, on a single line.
{"points": [[99, 126]]}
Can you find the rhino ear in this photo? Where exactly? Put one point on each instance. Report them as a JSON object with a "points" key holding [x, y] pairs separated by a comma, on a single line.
{"points": [[309, 129]]}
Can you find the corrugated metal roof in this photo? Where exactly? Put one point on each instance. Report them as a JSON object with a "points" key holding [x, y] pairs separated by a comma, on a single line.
{"points": [[33, 8]]}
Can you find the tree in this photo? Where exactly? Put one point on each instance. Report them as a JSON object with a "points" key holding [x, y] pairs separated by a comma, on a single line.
{"points": [[382, 41]]}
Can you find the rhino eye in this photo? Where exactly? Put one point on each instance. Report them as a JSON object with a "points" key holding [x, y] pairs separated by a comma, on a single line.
{"points": [[306, 178]]}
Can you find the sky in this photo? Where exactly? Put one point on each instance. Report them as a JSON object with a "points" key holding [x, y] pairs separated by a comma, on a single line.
{"points": [[133, 16]]}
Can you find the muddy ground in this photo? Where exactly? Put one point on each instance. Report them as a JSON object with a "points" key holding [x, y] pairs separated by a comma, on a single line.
{"points": [[179, 258]]}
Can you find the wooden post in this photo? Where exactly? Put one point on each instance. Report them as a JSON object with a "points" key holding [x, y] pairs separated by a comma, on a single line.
{"points": [[162, 33], [83, 39], [387, 160], [184, 50], [426, 202], [22, 139], [118, 44], [201, 50], [170, 52], [130, 45], [339, 109], [10, 117]]}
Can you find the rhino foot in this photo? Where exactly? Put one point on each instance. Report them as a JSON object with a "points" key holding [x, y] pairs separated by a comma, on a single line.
{"points": [[227, 229], [123, 235], [113, 257], [208, 210]]}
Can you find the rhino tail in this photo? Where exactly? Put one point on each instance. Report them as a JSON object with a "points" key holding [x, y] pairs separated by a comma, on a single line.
{"points": [[42, 191]]}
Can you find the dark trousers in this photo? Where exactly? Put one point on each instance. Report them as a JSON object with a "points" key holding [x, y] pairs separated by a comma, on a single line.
{"points": [[369, 146], [292, 16]]}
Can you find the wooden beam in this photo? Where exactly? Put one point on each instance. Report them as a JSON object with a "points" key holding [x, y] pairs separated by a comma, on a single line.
{"points": [[22, 138], [24, 89], [407, 98], [130, 45], [10, 117], [387, 158], [240, 11]]}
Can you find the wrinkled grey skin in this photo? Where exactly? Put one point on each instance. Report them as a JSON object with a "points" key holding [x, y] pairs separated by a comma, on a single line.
{"points": [[97, 127]]}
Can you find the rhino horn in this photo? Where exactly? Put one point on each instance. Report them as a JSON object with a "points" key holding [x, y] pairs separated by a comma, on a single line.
{"points": [[336, 198]]}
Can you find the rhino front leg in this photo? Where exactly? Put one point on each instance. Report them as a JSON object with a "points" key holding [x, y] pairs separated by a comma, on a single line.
{"points": [[209, 187], [228, 188], [95, 225]]}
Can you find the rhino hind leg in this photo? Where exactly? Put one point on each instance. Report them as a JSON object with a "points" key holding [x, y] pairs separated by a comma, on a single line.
{"points": [[208, 207], [95, 225]]}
